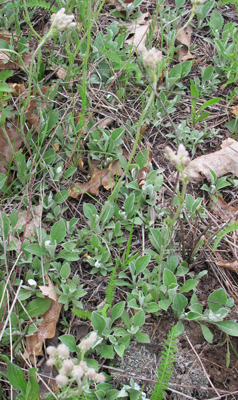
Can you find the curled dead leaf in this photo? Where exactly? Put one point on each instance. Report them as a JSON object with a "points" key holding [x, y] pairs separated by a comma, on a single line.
{"points": [[222, 162], [184, 38], [99, 178]]}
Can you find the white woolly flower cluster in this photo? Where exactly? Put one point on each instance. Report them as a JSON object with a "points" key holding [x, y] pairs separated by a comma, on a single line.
{"points": [[69, 370], [61, 21], [151, 58], [181, 159], [86, 344]]}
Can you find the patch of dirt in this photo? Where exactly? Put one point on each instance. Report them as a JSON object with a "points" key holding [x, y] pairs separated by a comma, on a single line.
{"points": [[140, 362]]}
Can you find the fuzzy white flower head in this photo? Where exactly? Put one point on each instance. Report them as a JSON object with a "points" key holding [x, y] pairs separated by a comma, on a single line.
{"points": [[78, 371], [100, 378], [83, 365], [151, 58], [61, 380], [91, 373], [63, 351], [59, 169], [180, 159], [86, 344], [61, 21], [50, 362], [52, 351], [68, 365]]}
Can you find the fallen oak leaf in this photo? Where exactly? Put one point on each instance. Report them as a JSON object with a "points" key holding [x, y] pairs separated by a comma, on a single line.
{"points": [[138, 32], [184, 38], [224, 210], [222, 162], [99, 178]]}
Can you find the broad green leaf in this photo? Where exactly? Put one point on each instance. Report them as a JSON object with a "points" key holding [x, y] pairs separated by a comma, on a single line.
{"points": [[129, 204], [216, 21], [106, 351], [218, 296], [98, 323], [139, 318], [209, 103], [180, 302], [58, 231], [89, 210], [4, 87], [38, 307], [190, 284], [142, 337], [207, 333], [15, 376], [119, 348], [33, 389], [168, 278], [152, 307], [35, 249], [61, 196], [69, 341], [229, 327], [117, 310], [141, 263], [65, 271]]}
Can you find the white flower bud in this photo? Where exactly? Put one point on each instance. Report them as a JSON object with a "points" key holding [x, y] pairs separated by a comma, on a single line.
{"points": [[91, 373], [52, 351], [68, 365], [151, 58], [78, 371], [100, 378], [63, 351], [86, 344], [50, 362], [61, 21], [61, 380], [83, 365]]}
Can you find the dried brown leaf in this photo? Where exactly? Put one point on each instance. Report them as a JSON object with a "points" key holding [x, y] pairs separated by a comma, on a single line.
{"points": [[224, 210], [99, 178], [231, 264], [222, 162], [47, 326], [184, 38], [138, 32]]}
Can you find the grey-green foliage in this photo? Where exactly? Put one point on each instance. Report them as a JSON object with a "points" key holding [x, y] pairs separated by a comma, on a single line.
{"points": [[165, 370]]}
